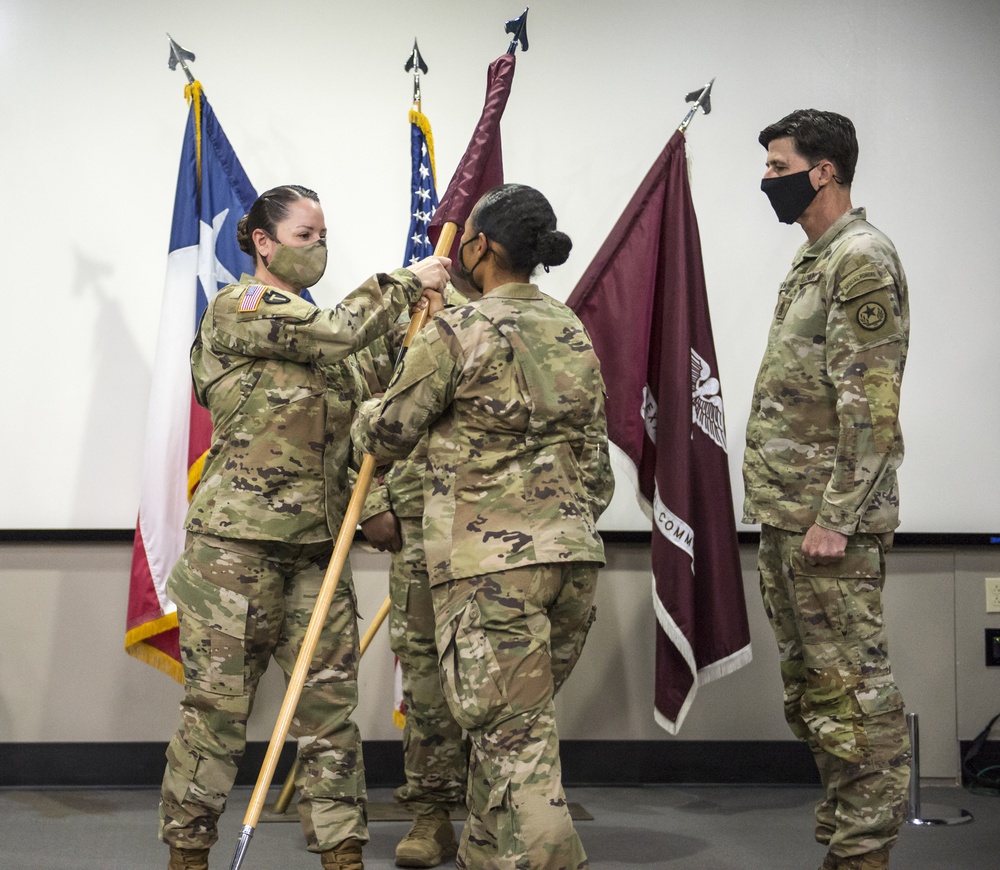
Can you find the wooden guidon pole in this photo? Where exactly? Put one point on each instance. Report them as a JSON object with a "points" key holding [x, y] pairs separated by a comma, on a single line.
{"points": [[330, 580]]}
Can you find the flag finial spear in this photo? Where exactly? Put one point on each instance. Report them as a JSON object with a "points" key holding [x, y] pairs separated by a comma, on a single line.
{"points": [[416, 63], [518, 27], [180, 56], [702, 99]]}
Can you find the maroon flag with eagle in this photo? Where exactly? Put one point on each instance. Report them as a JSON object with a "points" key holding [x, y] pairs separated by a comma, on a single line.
{"points": [[644, 302], [481, 167]]}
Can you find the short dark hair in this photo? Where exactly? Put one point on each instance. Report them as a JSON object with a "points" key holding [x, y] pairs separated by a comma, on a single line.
{"points": [[522, 220], [819, 136], [269, 210]]}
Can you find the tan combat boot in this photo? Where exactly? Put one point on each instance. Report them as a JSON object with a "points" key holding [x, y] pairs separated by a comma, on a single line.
{"points": [[188, 859], [431, 841], [343, 856], [878, 860]]}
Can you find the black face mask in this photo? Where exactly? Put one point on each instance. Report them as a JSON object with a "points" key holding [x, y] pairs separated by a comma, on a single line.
{"points": [[790, 195], [465, 272]]}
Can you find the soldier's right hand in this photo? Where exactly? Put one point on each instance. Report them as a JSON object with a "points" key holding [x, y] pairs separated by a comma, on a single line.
{"points": [[432, 272]]}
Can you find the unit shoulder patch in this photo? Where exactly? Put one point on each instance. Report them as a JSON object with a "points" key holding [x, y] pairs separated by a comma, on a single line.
{"points": [[872, 317], [273, 297]]}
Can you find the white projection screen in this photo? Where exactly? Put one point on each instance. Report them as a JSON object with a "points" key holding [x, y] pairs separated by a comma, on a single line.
{"points": [[315, 93]]}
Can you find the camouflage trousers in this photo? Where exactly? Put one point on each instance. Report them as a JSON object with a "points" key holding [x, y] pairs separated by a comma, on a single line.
{"points": [[840, 694], [238, 604], [507, 641], [435, 750]]}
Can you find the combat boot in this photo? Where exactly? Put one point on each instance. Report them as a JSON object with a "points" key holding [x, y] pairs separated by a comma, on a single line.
{"points": [[343, 856], [188, 859], [431, 841], [877, 860]]}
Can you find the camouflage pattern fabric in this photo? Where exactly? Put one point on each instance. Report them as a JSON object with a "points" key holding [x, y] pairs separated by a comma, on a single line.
{"points": [[507, 641], [281, 381], [518, 472], [823, 439], [823, 446], [401, 487], [435, 750], [840, 694], [239, 603], [518, 469]]}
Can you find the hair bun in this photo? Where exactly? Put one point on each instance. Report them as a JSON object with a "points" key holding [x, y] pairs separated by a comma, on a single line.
{"points": [[553, 248], [243, 236]]}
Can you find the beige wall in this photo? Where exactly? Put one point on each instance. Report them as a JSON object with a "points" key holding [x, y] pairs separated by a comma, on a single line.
{"points": [[64, 675]]}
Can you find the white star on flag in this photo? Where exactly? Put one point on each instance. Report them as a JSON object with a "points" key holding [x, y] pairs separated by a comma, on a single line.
{"points": [[211, 271]]}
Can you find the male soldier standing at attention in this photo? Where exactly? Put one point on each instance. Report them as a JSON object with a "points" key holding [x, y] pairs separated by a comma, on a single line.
{"points": [[823, 445]]}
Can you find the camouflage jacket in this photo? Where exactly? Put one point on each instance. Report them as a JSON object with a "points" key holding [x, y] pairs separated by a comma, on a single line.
{"points": [[281, 381], [401, 488], [518, 469], [823, 439]]}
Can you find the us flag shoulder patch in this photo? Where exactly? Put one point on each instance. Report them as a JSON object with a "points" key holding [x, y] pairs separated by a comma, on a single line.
{"points": [[251, 297]]}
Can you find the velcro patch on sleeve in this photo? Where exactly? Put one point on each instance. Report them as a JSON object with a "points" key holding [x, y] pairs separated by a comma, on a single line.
{"points": [[873, 317], [864, 280], [418, 363], [251, 297]]}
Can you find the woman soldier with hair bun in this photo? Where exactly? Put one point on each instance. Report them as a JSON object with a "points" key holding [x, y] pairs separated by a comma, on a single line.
{"points": [[518, 472], [278, 376]]}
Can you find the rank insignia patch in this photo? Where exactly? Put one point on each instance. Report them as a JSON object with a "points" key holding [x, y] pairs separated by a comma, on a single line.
{"points": [[251, 297]]}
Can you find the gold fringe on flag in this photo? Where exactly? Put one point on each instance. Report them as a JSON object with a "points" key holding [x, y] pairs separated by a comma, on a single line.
{"points": [[420, 119]]}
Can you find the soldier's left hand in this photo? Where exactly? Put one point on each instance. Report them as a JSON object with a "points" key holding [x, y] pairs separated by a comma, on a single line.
{"points": [[382, 532], [432, 300]]}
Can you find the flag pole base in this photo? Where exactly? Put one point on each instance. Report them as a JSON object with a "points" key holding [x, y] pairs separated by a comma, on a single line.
{"points": [[246, 833], [927, 815]]}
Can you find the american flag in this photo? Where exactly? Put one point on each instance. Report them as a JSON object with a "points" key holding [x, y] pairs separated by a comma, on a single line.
{"points": [[423, 199]]}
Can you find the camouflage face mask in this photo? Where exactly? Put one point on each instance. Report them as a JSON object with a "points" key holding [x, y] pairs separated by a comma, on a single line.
{"points": [[299, 267]]}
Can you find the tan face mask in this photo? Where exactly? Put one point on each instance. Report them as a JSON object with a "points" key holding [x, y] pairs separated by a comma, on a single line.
{"points": [[299, 267]]}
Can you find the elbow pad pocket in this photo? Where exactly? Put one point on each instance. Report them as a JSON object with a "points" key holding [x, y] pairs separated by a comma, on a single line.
{"points": [[882, 393]]}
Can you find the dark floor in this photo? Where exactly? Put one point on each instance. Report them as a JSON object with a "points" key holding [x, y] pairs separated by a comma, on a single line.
{"points": [[676, 827]]}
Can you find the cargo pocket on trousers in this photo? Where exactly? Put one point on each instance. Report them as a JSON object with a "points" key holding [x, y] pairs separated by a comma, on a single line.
{"points": [[213, 638], [840, 601], [470, 675], [880, 729]]}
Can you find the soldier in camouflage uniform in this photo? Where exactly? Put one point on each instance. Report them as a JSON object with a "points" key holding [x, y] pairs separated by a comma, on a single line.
{"points": [[823, 446], [278, 375], [518, 472], [435, 748]]}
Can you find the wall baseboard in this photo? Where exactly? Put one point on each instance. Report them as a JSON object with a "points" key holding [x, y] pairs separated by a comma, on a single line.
{"points": [[584, 762]]}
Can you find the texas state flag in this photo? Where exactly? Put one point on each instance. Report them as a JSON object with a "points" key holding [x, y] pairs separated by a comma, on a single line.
{"points": [[213, 193]]}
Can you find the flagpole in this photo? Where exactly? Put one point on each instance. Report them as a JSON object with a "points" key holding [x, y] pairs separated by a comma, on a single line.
{"points": [[288, 789], [702, 100], [415, 63], [339, 558], [178, 57]]}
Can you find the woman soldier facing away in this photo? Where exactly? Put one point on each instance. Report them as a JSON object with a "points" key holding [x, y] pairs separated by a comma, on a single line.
{"points": [[518, 472]]}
